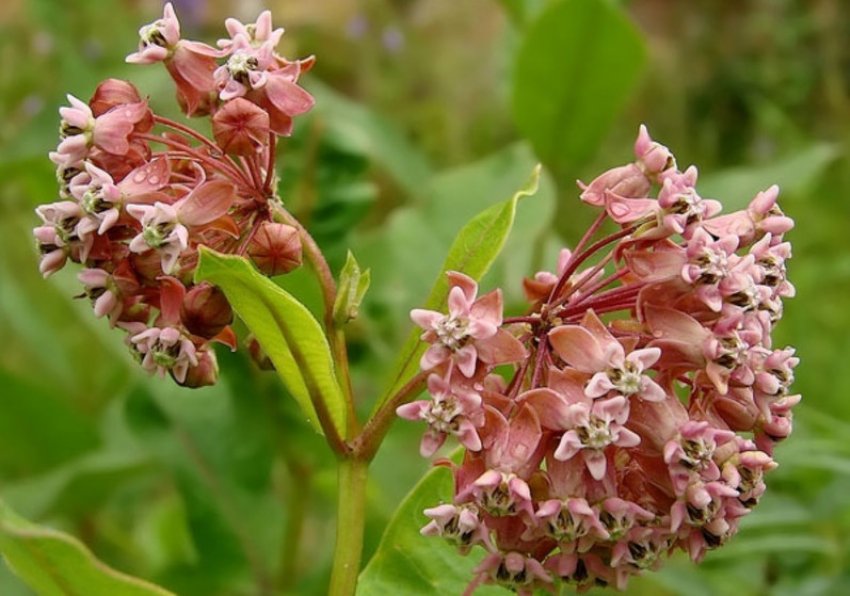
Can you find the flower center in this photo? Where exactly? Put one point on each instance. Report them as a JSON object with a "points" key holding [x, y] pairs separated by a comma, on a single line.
{"points": [[240, 65], [156, 235], [452, 332], [152, 35]]}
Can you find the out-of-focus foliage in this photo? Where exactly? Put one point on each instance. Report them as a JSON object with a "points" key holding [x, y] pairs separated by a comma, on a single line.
{"points": [[416, 130]]}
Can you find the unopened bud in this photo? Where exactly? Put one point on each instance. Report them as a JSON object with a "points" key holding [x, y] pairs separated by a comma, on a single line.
{"points": [[275, 248], [241, 127], [258, 355], [206, 311], [205, 373], [111, 93], [353, 284]]}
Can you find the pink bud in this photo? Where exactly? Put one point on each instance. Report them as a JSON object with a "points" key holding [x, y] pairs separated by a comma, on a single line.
{"points": [[241, 127], [258, 355], [275, 248], [111, 93], [206, 311], [204, 373]]}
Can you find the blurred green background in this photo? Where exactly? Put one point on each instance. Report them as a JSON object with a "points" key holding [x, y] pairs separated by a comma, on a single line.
{"points": [[428, 111]]}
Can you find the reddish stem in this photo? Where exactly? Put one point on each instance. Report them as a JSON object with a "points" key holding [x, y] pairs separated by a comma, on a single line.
{"points": [[578, 259], [267, 183]]}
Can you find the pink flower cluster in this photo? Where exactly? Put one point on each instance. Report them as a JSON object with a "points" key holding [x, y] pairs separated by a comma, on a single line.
{"points": [[137, 202], [633, 410]]}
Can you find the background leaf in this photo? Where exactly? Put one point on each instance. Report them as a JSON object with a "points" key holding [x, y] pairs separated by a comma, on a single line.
{"points": [[578, 62], [55, 564], [408, 563]]}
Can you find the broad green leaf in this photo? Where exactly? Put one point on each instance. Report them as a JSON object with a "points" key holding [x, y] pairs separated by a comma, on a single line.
{"points": [[288, 333], [794, 174], [473, 251], [408, 563], [56, 564], [578, 63]]}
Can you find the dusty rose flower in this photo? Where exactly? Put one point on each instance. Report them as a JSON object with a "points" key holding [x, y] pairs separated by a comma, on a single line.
{"points": [[165, 350], [621, 433]]}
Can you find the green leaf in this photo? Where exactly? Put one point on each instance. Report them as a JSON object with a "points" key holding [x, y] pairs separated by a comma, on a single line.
{"points": [[353, 284], [408, 563], [363, 132], [288, 333], [53, 563], [577, 65], [794, 174], [473, 251]]}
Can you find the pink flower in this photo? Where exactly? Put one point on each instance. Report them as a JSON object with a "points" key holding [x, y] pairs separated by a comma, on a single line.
{"points": [[469, 332], [460, 525], [593, 428], [165, 226], [516, 571], [161, 231], [189, 63], [590, 348], [568, 521], [254, 35], [103, 292], [453, 410], [165, 350]]}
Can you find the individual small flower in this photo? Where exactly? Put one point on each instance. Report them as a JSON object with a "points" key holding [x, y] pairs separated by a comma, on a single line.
{"points": [[254, 34], [161, 231], [158, 39], [203, 374], [469, 332], [103, 292], [165, 227], [461, 525], [594, 427], [569, 521], [762, 216], [452, 410], [590, 348], [165, 350], [516, 571], [189, 63], [693, 452]]}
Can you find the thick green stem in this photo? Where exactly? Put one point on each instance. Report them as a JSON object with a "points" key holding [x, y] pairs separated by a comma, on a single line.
{"points": [[351, 518]]}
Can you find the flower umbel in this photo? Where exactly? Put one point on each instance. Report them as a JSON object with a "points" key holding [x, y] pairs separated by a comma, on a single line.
{"points": [[139, 193], [621, 432]]}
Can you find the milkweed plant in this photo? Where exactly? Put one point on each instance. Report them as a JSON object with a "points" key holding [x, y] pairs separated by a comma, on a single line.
{"points": [[631, 410]]}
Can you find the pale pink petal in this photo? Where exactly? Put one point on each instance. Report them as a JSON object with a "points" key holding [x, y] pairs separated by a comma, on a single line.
{"points": [[596, 463], [206, 203], [578, 348], [288, 97]]}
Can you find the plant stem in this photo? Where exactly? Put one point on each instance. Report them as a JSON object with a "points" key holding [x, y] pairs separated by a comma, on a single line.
{"points": [[351, 517], [367, 443]]}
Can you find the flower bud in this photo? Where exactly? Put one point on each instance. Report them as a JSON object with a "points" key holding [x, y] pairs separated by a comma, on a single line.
{"points": [[260, 358], [275, 248], [204, 373], [111, 93], [206, 311], [241, 127]]}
